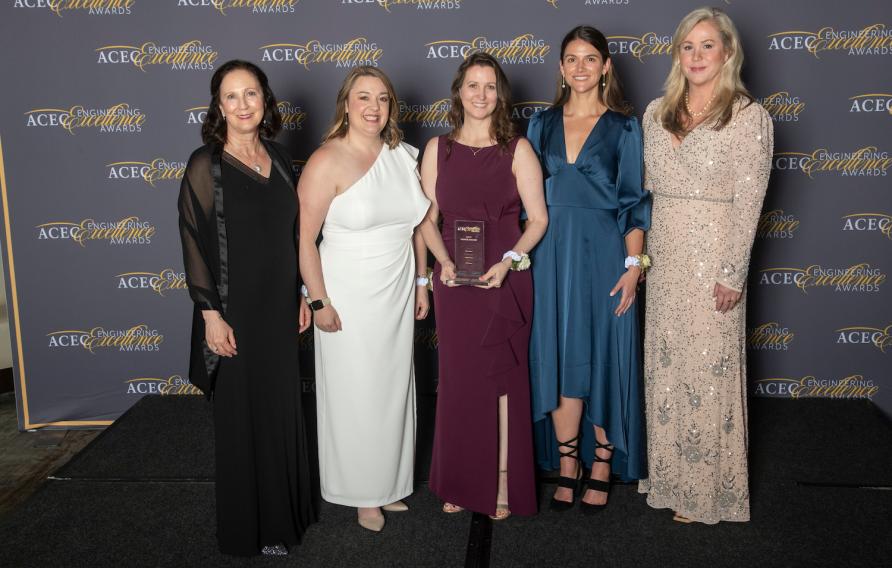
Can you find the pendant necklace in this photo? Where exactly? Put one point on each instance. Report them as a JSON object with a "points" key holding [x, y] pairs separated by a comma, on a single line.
{"points": [[476, 149], [256, 167]]}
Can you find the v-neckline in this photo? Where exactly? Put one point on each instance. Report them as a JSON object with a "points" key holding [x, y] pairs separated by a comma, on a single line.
{"points": [[682, 141], [585, 142], [247, 170]]}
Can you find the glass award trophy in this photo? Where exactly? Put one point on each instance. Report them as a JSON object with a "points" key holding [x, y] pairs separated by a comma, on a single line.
{"points": [[469, 253]]}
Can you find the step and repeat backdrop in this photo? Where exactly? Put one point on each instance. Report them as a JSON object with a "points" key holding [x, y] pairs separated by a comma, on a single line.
{"points": [[103, 102]]}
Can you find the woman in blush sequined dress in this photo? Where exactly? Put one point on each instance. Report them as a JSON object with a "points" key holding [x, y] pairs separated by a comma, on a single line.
{"points": [[707, 153]]}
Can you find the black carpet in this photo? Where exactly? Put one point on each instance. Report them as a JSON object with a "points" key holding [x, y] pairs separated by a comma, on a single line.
{"points": [[159, 438], [141, 494], [790, 526], [94, 524]]}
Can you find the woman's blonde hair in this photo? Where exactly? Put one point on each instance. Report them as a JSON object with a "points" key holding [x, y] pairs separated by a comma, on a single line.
{"points": [[672, 113], [392, 135]]}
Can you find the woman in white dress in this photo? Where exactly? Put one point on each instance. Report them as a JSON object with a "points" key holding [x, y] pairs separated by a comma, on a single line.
{"points": [[361, 189]]}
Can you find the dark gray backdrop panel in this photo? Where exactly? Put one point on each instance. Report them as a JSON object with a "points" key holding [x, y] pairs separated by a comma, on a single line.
{"points": [[59, 289]]}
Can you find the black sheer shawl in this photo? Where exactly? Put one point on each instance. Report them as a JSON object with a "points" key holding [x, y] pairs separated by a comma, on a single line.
{"points": [[203, 236]]}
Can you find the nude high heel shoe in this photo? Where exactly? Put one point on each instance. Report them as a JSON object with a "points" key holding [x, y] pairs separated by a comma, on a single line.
{"points": [[374, 524], [395, 507]]}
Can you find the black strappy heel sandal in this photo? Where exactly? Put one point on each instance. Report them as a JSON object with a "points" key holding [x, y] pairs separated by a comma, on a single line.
{"points": [[568, 482], [597, 484]]}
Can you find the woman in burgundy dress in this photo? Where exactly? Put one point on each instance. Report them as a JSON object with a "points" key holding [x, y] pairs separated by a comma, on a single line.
{"points": [[482, 171]]}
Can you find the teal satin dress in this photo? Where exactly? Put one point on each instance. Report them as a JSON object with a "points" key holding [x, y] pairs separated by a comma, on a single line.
{"points": [[579, 348]]}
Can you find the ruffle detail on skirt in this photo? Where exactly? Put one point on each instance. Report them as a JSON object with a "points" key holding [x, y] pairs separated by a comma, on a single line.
{"points": [[506, 319]]}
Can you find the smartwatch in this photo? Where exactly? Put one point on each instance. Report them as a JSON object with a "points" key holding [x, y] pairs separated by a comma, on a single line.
{"points": [[317, 305]]}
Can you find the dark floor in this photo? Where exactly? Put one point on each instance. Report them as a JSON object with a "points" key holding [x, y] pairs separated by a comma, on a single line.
{"points": [[27, 458], [142, 495]]}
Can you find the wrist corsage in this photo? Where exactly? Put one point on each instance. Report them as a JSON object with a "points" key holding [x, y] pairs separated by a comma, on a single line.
{"points": [[642, 261], [519, 261]]}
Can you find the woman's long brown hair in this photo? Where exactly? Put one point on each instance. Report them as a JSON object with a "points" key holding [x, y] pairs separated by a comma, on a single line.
{"points": [[501, 129]]}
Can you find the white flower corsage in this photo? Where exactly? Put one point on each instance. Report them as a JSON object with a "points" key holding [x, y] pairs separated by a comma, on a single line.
{"points": [[642, 261], [518, 261]]}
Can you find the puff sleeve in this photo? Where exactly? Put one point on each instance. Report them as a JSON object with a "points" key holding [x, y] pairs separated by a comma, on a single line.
{"points": [[634, 203]]}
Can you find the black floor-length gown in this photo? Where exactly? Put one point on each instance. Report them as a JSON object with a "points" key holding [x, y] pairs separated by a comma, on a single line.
{"points": [[262, 469]]}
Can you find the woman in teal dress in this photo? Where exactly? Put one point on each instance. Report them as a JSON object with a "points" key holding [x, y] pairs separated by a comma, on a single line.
{"points": [[585, 360]]}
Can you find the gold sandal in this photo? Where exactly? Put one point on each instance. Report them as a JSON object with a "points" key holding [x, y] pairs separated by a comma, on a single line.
{"points": [[681, 519], [502, 510], [450, 508]]}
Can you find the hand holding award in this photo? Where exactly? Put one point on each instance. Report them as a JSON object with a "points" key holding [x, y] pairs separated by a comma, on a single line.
{"points": [[469, 253]]}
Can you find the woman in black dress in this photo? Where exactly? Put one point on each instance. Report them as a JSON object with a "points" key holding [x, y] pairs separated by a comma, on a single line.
{"points": [[238, 225]]}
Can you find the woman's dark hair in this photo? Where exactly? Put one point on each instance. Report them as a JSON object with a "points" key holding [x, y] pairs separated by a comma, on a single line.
{"points": [[611, 95], [213, 131], [501, 129]]}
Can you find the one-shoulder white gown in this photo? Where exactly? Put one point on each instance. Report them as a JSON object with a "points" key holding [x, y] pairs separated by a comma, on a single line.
{"points": [[365, 381]]}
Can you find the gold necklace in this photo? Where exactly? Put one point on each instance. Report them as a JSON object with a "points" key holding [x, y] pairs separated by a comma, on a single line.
{"points": [[476, 149], [687, 105]]}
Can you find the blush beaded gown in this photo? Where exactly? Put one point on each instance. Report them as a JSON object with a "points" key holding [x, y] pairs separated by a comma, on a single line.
{"points": [[708, 194]]}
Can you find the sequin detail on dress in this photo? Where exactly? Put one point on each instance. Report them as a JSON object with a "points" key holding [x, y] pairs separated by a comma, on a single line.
{"points": [[708, 194]]}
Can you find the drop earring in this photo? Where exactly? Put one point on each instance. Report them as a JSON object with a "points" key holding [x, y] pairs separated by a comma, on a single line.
{"points": [[604, 81], [563, 84]]}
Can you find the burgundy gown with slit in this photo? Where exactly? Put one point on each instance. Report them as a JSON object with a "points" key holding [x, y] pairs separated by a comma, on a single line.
{"points": [[483, 340]]}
